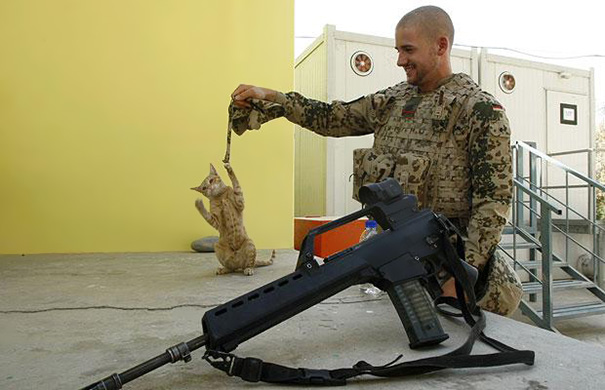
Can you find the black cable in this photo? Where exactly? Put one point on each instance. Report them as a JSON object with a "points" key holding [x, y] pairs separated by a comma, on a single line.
{"points": [[339, 301], [534, 55], [508, 49], [104, 307]]}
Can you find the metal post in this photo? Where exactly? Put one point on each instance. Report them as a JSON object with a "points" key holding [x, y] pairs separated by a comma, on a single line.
{"points": [[514, 150], [533, 184], [519, 176], [546, 242], [533, 222], [596, 264], [599, 279], [589, 174], [567, 216]]}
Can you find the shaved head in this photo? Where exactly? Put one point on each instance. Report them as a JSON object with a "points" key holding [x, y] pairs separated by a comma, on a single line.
{"points": [[433, 21]]}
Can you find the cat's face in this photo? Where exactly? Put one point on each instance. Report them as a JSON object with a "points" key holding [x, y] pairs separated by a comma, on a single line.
{"points": [[212, 185]]}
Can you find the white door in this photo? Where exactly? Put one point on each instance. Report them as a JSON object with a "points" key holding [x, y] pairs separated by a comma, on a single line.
{"points": [[568, 130]]}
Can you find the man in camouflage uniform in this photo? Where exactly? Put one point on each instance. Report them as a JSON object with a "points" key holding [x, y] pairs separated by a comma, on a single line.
{"points": [[443, 138]]}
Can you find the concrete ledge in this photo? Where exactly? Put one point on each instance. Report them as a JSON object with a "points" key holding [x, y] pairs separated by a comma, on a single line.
{"points": [[69, 320]]}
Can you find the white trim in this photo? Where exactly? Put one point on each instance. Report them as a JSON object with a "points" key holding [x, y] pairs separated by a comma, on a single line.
{"points": [[593, 121], [331, 201], [534, 65], [483, 68], [475, 65], [309, 50], [361, 38]]}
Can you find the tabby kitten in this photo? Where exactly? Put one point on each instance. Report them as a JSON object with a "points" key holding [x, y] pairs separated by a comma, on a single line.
{"points": [[234, 249]]}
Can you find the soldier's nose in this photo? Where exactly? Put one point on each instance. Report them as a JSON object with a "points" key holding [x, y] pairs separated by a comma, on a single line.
{"points": [[401, 60]]}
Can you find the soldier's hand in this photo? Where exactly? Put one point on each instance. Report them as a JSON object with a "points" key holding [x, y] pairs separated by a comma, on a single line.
{"points": [[449, 288], [244, 92]]}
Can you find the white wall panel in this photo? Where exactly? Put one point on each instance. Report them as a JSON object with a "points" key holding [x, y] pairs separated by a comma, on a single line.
{"points": [[309, 148]]}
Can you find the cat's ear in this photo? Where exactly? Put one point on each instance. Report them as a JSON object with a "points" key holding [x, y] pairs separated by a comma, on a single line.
{"points": [[212, 170]]}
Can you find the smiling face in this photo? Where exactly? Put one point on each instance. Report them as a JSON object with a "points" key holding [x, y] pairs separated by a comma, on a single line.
{"points": [[419, 56], [424, 54]]}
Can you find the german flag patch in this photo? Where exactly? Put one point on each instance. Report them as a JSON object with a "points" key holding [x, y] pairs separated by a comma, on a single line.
{"points": [[409, 109]]}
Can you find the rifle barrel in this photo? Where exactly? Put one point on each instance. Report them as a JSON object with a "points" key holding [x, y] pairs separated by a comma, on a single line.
{"points": [[172, 355]]}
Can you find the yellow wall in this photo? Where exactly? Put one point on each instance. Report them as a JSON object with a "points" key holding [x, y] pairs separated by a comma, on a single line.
{"points": [[110, 110]]}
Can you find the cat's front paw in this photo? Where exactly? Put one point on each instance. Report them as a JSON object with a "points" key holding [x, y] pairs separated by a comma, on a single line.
{"points": [[199, 204], [248, 271], [228, 167]]}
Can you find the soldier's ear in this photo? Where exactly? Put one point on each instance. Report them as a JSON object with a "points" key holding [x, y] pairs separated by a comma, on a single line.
{"points": [[443, 45]]}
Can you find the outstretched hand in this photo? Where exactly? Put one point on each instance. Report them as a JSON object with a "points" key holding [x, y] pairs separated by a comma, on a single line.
{"points": [[244, 92]]}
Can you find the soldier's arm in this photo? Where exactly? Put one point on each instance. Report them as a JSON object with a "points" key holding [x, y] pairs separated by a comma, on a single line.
{"points": [[336, 119], [491, 179]]}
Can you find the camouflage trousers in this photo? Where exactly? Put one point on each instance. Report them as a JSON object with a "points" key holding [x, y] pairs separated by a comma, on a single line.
{"points": [[503, 290]]}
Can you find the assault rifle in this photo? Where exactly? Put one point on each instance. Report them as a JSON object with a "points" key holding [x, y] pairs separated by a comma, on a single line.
{"points": [[410, 257]]}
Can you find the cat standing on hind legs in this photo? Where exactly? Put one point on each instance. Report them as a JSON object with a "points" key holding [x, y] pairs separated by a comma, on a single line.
{"points": [[234, 249]]}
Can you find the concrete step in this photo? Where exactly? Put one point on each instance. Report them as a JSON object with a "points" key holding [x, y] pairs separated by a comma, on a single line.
{"points": [[518, 245], [578, 310], [508, 230], [538, 264], [536, 287]]}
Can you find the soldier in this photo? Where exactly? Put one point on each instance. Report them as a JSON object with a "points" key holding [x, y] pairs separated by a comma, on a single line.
{"points": [[443, 138]]}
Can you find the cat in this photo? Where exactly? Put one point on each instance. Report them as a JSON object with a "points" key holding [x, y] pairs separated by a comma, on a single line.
{"points": [[234, 249]]}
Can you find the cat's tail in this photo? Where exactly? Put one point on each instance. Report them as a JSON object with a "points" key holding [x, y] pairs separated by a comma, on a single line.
{"points": [[269, 261]]}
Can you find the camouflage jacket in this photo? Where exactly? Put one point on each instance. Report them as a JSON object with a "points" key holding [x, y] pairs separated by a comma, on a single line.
{"points": [[450, 147]]}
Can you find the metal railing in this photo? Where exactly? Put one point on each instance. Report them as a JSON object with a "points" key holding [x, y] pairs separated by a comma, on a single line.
{"points": [[533, 228]]}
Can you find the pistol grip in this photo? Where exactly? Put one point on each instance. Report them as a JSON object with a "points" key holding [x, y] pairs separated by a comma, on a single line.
{"points": [[417, 314]]}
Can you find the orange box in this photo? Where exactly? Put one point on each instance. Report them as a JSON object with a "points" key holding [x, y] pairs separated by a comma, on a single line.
{"points": [[332, 241]]}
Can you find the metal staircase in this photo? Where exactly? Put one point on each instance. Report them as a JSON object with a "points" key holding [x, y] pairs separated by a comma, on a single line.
{"points": [[546, 234]]}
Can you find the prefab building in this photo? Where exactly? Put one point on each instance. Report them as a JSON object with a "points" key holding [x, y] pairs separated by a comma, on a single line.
{"points": [[550, 106]]}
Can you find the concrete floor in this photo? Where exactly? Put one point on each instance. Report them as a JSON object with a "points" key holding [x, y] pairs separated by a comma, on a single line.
{"points": [[70, 320]]}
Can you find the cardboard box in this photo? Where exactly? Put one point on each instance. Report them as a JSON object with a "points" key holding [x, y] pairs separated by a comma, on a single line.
{"points": [[330, 242]]}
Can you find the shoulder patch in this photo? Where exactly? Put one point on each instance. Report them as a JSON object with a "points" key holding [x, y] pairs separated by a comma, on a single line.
{"points": [[488, 110], [497, 107]]}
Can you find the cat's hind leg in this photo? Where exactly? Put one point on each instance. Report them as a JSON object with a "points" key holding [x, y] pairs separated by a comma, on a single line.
{"points": [[226, 257], [246, 256], [263, 262]]}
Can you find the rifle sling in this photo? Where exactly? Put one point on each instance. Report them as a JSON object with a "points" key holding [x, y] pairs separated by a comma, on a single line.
{"points": [[254, 370]]}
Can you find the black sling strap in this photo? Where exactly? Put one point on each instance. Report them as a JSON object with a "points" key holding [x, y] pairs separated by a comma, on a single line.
{"points": [[254, 370]]}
